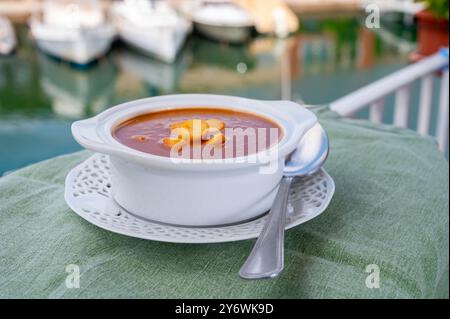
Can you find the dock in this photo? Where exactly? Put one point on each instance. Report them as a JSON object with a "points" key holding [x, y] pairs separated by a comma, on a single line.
{"points": [[320, 6], [20, 10]]}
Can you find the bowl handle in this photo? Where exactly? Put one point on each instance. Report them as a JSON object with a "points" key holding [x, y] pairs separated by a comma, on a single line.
{"points": [[85, 133], [297, 111]]}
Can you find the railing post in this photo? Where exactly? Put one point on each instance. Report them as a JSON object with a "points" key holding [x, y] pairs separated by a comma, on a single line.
{"points": [[426, 97], [401, 112], [442, 126], [376, 111], [366, 95]]}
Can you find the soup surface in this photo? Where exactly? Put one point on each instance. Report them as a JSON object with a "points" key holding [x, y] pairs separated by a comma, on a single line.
{"points": [[223, 133]]}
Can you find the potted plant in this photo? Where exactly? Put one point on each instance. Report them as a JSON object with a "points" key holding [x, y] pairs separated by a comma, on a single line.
{"points": [[433, 27]]}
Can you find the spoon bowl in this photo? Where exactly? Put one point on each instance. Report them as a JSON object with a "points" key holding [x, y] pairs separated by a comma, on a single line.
{"points": [[310, 154]]}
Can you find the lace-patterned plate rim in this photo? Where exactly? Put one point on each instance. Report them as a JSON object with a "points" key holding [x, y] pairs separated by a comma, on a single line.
{"points": [[88, 194]]}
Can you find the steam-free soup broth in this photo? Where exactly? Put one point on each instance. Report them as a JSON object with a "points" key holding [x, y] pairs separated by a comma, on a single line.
{"points": [[162, 132]]}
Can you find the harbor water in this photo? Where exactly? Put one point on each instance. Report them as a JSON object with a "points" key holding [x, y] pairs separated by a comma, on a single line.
{"points": [[329, 57]]}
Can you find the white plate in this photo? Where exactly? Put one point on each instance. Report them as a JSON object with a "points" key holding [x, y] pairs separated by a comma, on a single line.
{"points": [[88, 194]]}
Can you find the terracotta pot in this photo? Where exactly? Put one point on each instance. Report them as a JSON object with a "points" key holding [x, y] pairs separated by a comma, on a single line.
{"points": [[432, 33]]}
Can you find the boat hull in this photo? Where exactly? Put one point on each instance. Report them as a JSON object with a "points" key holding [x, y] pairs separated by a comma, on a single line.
{"points": [[162, 43], [77, 45], [231, 34], [80, 52]]}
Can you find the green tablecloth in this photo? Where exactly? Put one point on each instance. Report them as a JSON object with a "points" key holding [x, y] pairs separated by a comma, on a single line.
{"points": [[390, 209]]}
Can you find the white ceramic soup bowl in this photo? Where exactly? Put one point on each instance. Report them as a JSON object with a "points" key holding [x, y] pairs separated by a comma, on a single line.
{"points": [[194, 193]]}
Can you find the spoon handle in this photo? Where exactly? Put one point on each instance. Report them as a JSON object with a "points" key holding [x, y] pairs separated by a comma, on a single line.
{"points": [[267, 257]]}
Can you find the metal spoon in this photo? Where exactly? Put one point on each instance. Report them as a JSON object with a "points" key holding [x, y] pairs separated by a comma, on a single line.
{"points": [[267, 257]]}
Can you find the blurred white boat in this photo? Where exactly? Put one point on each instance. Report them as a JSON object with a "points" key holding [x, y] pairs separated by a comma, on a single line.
{"points": [[8, 40], [76, 31], [153, 27], [222, 21]]}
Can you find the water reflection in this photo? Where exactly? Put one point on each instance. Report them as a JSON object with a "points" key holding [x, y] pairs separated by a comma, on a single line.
{"points": [[157, 77], [20, 91], [77, 93], [227, 69], [328, 58], [223, 55]]}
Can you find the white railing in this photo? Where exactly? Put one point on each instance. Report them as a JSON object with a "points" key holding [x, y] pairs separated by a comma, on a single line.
{"points": [[399, 83]]}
